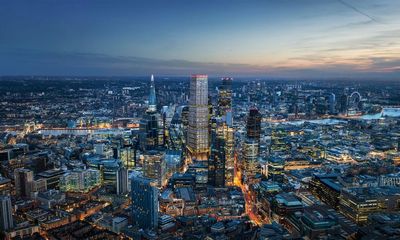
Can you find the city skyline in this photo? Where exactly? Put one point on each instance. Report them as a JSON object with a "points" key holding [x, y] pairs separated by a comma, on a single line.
{"points": [[217, 120], [271, 39], [98, 158]]}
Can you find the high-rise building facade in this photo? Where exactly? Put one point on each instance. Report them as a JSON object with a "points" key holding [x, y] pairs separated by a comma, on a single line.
{"points": [[144, 202], [6, 219], [197, 136], [225, 97], [226, 129], [152, 96], [127, 156], [251, 145], [216, 161], [229, 154], [80, 180], [148, 128], [149, 125], [122, 181], [154, 166], [254, 124], [221, 161], [250, 158], [23, 182]]}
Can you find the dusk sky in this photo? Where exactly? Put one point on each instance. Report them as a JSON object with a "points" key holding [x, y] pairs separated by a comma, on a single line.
{"points": [[282, 38]]}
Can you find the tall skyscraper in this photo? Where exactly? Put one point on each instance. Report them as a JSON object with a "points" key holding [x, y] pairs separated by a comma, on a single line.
{"points": [[148, 128], [23, 182], [216, 161], [225, 97], [229, 154], [226, 128], [127, 156], [149, 124], [250, 158], [221, 161], [6, 219], [185, 117], [254, 125], [122, 181], [154, 166], [152, 96], [144, 202], [197, 137], [252, 143]]}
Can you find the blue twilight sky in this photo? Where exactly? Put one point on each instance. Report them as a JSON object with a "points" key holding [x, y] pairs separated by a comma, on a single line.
{"points": [[281, 38]]}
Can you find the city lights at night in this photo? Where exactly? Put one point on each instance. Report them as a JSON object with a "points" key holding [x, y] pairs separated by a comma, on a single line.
{"points": [[211, 120]]}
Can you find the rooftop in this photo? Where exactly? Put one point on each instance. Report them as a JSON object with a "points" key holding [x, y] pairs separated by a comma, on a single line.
{"points": [[288, 199]]}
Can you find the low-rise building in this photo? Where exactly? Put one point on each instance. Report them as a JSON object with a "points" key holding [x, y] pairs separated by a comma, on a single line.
{"points": [[358, 203]]}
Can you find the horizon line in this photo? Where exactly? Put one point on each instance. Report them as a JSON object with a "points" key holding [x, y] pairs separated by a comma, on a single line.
{"points": [[260, 78]]}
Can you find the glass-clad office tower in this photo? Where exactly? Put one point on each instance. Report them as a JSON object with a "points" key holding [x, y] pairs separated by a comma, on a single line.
{"points": [[149, 124], [226, 128], [144, 202], [216, 162], [225, 97], [254, 124], [6, 218], [197, 136]]}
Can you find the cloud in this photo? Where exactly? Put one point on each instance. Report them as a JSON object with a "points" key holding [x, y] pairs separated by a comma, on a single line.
{"points": [[385, 65], [33, 62], [24, 61]]}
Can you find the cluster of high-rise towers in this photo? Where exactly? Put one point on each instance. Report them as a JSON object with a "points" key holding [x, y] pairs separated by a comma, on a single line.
{"points": [[209, 136], [209, 132], [209, 140]]}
